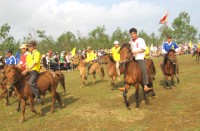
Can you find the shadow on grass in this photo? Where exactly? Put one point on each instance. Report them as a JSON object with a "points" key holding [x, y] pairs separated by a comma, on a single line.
{"points": [[66, 100]]}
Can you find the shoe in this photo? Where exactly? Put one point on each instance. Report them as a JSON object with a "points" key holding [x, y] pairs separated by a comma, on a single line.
{"points": [[121, 88], [148, 90], [40, 101]]}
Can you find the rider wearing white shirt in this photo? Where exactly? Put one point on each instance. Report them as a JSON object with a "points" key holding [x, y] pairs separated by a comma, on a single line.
{"points": [[138, 47]]}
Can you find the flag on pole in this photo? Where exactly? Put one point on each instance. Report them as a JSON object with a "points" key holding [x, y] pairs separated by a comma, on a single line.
{"points": [[164, 19], [17, 57], [73, 52]]}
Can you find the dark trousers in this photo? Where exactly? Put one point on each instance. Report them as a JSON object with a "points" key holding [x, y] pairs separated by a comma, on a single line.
{"points": [[32, 82], [143, 69]]}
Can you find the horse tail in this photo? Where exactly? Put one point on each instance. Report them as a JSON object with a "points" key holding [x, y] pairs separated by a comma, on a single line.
{"points": [[61, 77]]}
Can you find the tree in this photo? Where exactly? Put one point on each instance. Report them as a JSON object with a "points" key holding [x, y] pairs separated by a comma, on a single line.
{"points": [[121, 36], [183, 31], [6, 40], [98, 38]]}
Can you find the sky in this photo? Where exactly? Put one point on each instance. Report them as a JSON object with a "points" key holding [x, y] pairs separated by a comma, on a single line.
{"points": [[82, 16]]}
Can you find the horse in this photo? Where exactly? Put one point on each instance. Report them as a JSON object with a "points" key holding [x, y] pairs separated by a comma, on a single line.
{"points": [[132, 74], [47, 80], [81, 66], [111, 68], [197, 53], [3, 85], [170, 68], [151, 69]]}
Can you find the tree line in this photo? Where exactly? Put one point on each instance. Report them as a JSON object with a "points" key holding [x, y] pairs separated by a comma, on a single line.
{"points": [[181, 31]]}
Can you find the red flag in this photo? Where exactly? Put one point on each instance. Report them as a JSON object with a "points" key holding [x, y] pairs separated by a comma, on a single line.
{"points": [[164, 19]]}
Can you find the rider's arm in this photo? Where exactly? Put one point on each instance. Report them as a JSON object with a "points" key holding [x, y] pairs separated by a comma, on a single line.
{"points": [[163, 49]]}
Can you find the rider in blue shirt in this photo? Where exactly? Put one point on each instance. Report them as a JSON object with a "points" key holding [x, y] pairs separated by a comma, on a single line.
{"points": [[10, 59], [169, 44]]}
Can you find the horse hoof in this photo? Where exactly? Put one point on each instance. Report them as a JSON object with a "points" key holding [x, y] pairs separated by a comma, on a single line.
{"points": [[21, 120], [62, 105], [127, 104], [153, 94], [128, 108]]}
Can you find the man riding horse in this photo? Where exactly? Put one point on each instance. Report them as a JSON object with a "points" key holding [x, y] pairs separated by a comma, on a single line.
{"points": [[90, 57], [116, 57], [169, 44]]}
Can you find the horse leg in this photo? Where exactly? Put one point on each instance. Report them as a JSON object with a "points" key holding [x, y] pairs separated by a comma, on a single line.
{"points": [[137, 95], [177, 79], [151, 86], [59, 99], [23, 102], [83, 81], [7, 98], [53, 101], [125, 95], [94, 76], [166, 81], [113, 82], [31, 101], [19, 105]]}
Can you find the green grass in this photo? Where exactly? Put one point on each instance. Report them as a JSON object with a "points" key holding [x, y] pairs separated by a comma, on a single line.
{"points": [[97, 108]]}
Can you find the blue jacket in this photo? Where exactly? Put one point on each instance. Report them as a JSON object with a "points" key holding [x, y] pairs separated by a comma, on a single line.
{"points": [[11, 61], [167, 47]]}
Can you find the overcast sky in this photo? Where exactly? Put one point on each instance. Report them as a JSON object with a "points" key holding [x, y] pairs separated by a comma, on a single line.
{"points": [[59, 16]]}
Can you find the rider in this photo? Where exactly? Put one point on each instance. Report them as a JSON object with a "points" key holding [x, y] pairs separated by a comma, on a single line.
{"points": [[90, 57], [10, 60], [169, 44], [24, 51], [138, 48], [146, 52], [33, 67], [116, 57]]}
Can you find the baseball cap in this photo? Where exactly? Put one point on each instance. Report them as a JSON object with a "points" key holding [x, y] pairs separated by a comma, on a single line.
{"points": [[116, 42]]}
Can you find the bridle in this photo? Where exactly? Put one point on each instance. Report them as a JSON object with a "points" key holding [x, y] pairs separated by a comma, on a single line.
{"points": [[15, 80]]}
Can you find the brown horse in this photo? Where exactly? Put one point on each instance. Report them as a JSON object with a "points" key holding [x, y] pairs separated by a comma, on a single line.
{"points": [[132, 75], [197, 53], [170, 68], [81, 66], [47, 80], [111, 68]]}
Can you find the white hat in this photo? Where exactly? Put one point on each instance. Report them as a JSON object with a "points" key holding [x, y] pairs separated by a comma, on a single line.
{"points": [[116, 42], [23, 46]]}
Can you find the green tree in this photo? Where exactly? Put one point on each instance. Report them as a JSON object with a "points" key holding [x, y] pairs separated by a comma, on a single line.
{"points": [[98, 38], [6, 40]]}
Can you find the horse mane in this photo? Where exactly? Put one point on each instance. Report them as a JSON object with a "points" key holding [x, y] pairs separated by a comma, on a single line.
{"points": [[171, 50], [110, 57], [127, 45]]}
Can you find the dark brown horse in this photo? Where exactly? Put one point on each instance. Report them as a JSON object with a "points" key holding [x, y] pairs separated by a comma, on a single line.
{"points": [[81, 66], [170, 68], [111, 68], [47, 80], [132, 75], [197, 53]]}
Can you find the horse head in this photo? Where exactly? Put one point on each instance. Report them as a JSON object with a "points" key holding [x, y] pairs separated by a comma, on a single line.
{"points": [[125, 53], [106, 58], [12, 73], [171, 56]]}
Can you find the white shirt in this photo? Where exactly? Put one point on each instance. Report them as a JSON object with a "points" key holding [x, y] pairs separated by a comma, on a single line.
{"points": [[136, 45]]}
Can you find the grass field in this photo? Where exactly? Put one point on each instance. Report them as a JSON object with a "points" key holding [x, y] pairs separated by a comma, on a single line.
{"points": [[97, 108]]}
